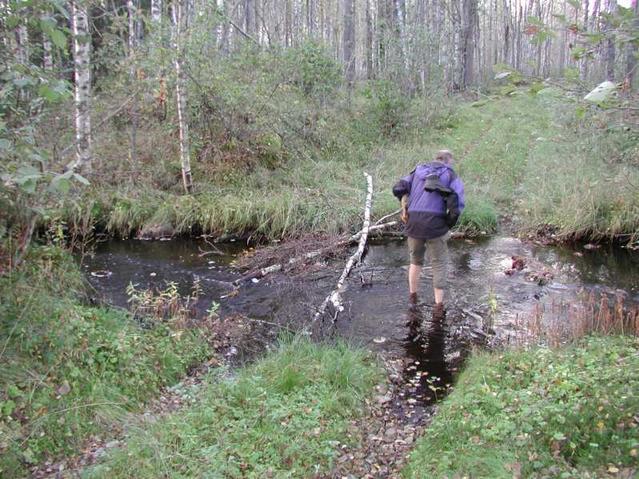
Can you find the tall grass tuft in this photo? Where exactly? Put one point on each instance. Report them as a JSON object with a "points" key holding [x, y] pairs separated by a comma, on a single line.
{"points": [[560, 322]]}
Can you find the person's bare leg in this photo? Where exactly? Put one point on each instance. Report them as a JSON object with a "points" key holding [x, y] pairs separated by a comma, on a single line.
{"points": [[439, 295], [414, 271]]}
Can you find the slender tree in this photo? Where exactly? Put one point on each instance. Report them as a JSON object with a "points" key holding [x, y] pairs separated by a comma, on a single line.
{"points": [[181, 92], [348, 40], [610, 44], [156, 11], [82, 83], [47, 50], [631, 51]]}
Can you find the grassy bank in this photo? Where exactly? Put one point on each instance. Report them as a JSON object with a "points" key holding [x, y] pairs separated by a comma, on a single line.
{"points": [[284, 416], [523, 156], [567, 413], [70, 370]]}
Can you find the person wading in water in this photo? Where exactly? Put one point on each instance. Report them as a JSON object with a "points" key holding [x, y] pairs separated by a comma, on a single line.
{"points": [[432, 198]]}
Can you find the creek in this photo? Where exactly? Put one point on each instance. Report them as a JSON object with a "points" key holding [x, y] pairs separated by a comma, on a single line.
{"points": [[489, 300]]}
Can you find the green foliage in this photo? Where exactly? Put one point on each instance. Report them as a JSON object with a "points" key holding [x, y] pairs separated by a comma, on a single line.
{"points": [[560, 413], [313, 69], [478, 218], [389, 106], [284, 416], [70, 370]]}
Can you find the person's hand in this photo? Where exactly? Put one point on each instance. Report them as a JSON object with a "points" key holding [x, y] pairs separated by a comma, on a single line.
{"points": [[404, 214]]}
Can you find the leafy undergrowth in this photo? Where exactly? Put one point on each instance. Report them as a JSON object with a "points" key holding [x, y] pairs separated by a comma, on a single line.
{"points": [[569, 413], [284, 416], [70, 370]]}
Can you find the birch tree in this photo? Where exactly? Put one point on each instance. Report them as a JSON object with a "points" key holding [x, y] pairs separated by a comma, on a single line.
{"points": [[181, 94], [47, 49], [610, 44], [156, 11], [132, 45], [82, 85], [348, 41]]}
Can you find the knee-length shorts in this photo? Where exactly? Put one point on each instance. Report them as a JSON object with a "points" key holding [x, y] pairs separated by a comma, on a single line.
{"points": [[437, 251]]}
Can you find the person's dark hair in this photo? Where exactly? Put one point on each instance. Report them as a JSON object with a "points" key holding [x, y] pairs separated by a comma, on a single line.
{"points": [[445, 156]]}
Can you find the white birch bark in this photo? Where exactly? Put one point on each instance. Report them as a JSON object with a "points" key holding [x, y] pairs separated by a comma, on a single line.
{"points": [[156, 11], [22, 37], [82, 87], [131, 39], [132, 45], [335, 297], [47, 53], [179, 23], [610, 52]]}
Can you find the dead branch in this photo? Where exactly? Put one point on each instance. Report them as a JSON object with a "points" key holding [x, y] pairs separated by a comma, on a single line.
{"points": [[274, 268], [384, 218], [335, 297]]}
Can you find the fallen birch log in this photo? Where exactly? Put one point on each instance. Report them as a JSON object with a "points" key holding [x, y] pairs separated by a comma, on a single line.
{"points": [[260, 273], [335, 297]]}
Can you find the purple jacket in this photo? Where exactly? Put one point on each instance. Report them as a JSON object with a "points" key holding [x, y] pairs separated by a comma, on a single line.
{"points": [[428, 214]]}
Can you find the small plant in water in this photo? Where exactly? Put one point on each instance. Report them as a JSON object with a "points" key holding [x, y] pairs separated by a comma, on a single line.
{"points": [[164, 304], [212, 312], [493, 306]]}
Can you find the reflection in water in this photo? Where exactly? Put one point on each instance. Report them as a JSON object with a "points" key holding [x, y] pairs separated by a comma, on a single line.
{"points": [[427, 370]]}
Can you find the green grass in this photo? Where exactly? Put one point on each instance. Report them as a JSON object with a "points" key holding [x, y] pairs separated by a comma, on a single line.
{"points": [[283, 416], [70, 370], [567, 413]]}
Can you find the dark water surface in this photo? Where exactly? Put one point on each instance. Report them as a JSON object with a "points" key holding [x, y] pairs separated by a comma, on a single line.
{"points": [[377, 314]]}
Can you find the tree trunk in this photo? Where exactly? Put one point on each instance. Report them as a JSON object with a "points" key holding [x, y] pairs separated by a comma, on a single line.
{"points": [[469, 22], [457, 73], [156, 11], [249, 16], [310, 17], [288, 21], [348, 41], [610, 46], [631, 53], [583, 71], [47, 50], [22, 41], [507, 33], [382, 41], [399, 23], [82, 86], [562, 47], [132, 45], [181, 93], [369, 41]]}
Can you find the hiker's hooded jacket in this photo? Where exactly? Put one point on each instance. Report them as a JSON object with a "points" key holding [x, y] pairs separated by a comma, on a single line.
{"points": [[428, 216]]}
